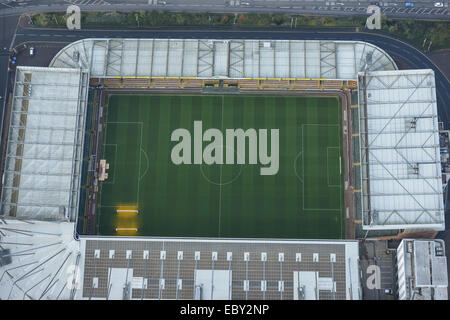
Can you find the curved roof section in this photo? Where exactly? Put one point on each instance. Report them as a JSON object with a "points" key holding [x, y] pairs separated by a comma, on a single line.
{"points": [[38, 260], [207, 58]]}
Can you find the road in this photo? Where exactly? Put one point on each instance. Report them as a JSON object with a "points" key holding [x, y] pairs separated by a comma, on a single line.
{"points": [[8, 29], [423, 9]]}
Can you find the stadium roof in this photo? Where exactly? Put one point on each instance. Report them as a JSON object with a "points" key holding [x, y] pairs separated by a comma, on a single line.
{"points": [[37, 260], [223, 58], [43, 159], [399, 141], [41, 260]]}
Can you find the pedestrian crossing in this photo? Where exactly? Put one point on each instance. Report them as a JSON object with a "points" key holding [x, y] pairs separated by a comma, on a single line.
{"points": [[387, 8], [88, 2]]}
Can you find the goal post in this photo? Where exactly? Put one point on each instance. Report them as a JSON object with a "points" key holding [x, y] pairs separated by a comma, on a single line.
{"points": [[132, 211], [127, 229]]}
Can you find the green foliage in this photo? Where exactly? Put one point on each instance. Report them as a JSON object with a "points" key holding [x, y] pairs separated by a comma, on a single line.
{"points": [[415, 31]]}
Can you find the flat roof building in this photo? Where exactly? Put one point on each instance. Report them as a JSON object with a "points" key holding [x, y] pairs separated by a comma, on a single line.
{"points": [[42, 260], [219, 269], [422, 270]]}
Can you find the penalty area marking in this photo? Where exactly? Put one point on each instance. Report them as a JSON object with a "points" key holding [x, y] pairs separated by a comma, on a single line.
{"points": [[140, 148], [303, 170]]}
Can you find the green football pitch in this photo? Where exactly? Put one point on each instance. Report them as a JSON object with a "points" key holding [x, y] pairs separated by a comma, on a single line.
{"points": [[304, 200]]}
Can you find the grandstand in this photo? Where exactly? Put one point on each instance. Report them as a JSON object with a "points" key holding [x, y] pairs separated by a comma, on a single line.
{"points": [[42, 172], [49, 248], [400, 157], [170, 59]]}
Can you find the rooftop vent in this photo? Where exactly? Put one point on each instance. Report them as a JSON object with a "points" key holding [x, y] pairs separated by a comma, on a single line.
{"points": [[198, 292]]}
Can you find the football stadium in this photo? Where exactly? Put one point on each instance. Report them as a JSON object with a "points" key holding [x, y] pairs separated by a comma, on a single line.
{"points": [[213, 169]]}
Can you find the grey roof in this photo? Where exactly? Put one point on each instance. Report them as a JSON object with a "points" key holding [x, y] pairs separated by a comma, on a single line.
{"points": [[227, 269], [422, 270], [422, 259], [429, 269]]}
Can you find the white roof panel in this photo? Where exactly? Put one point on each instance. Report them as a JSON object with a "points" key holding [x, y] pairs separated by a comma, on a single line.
{"points": [[224, 58], [402, 186], [44, 143]]}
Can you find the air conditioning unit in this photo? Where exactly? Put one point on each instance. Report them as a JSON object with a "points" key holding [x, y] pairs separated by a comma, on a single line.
{"points": [[438, 249], [413, 169]]}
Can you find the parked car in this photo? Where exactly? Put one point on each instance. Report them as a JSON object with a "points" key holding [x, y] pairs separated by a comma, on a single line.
{"points": [[439, 4], [31, 51], [409, 4]]}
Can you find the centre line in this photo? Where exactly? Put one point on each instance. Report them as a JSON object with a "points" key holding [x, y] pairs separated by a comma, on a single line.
{"points": [[220, 178]]}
